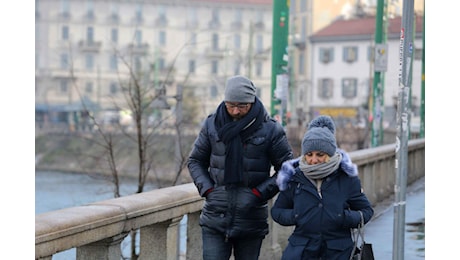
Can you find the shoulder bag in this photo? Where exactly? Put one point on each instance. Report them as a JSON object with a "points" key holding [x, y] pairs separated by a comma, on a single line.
{"points": [[361, 249]]}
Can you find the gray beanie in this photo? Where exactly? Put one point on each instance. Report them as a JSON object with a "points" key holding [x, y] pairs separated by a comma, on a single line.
{"points": [[240, 89], [320, 136]]}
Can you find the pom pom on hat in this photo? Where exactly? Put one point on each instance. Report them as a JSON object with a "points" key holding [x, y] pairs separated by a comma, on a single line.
{"points": [[240, 89], [320, 136]]}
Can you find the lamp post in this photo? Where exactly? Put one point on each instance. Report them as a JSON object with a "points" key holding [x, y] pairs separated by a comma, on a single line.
{"points": [[402, 126]]}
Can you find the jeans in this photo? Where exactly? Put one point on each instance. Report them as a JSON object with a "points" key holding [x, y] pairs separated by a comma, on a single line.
{"points": [[216, 247]]}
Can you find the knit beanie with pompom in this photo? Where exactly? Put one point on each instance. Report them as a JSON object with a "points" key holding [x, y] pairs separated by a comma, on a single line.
{"points": [[320, 136]]}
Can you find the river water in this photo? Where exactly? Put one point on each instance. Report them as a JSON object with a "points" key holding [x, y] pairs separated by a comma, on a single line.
{"points": [[57, 190]]}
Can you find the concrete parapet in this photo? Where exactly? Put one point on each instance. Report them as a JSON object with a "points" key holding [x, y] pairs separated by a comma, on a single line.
{"points": [[97, 229]]}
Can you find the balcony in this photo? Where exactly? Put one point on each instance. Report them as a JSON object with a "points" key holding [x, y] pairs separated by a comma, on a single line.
{"points": [[161, 21], [89, 17], [114, 18], [89, 46], [64, 16], [237, 25], [192, 24], [139, 49], [214, 53], [262, 54], [259, 26], [214, 24]]}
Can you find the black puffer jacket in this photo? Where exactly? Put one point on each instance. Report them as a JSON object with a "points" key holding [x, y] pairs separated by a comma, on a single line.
{"points": [[236, 211]]}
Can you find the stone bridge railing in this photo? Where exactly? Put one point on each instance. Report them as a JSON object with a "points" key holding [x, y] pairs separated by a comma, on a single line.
{"points": [[96, 230]]}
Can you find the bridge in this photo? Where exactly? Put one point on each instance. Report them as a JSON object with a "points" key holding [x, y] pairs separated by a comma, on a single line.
{"points": [[96, 230]]}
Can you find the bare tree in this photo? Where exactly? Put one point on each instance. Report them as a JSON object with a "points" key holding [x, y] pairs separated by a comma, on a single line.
{"points": [[139, 95]]}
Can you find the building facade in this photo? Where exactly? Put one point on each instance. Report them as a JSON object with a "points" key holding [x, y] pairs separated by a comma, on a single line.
{"points": [[89, 53], [343, 63], [332, 61]]}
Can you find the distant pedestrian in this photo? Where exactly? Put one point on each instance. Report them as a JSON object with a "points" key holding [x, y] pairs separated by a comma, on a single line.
{"points": [[230, 165], [321, 196]]}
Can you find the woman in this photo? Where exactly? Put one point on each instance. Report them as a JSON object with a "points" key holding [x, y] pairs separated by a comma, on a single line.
{"points": [[321, 196]]}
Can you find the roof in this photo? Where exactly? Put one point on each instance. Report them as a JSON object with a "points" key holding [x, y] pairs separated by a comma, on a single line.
{"points": [[361, 26]]}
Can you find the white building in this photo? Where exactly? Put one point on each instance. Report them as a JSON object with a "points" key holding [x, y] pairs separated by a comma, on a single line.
{"points": [[85, 50], [342, 69]]}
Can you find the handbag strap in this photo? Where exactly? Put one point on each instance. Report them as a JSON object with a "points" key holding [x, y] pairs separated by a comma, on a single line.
{"points": [[361, 226], [357, 233]]}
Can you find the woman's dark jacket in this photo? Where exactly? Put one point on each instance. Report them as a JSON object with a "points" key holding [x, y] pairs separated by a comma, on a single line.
{"points": [[235, 210], [327, 220]]}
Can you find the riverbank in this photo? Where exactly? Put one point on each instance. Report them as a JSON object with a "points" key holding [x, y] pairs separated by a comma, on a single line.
{"points": [[77, 153]]}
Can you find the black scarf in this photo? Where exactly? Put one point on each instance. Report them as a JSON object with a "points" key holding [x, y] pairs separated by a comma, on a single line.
{"points": [[232, 133]]}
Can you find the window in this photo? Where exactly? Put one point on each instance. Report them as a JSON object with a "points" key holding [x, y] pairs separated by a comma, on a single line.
{"points": [[301, 64], [113, 88], [161, 63], [215, 20], [193, 39], [139, 13], [65, 8], [89, 9], [259, 67], [113, 62], [114, 35], [192, 21], [215, 15], [64, 61], [236, 68], [89, 61], [350, 54], [259, 24], [325, 88], [191, 66], [326, 55], [215, 42], [63, 86], [213, 91], [370, 53], [137, 63], [214, 67], [65, 32], [89, 87], [90, 34], [238, 15], [138, 37], [237, 41], [349, 87], [238, 20], [162, 38], [259, 43], [114, 12], [162, 19]]}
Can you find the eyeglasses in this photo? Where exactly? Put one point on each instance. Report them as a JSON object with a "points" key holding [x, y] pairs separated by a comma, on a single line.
{"points": [[239, 105]]}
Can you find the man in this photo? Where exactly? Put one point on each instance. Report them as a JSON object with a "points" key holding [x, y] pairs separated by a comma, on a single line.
{"points": [[230, 165]]}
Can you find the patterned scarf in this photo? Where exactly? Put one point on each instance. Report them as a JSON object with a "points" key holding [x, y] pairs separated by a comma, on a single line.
{"points": [[233, 133]]}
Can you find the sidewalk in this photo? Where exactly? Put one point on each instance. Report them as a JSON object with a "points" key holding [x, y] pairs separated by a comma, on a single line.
{"points": [[379, 231]]}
